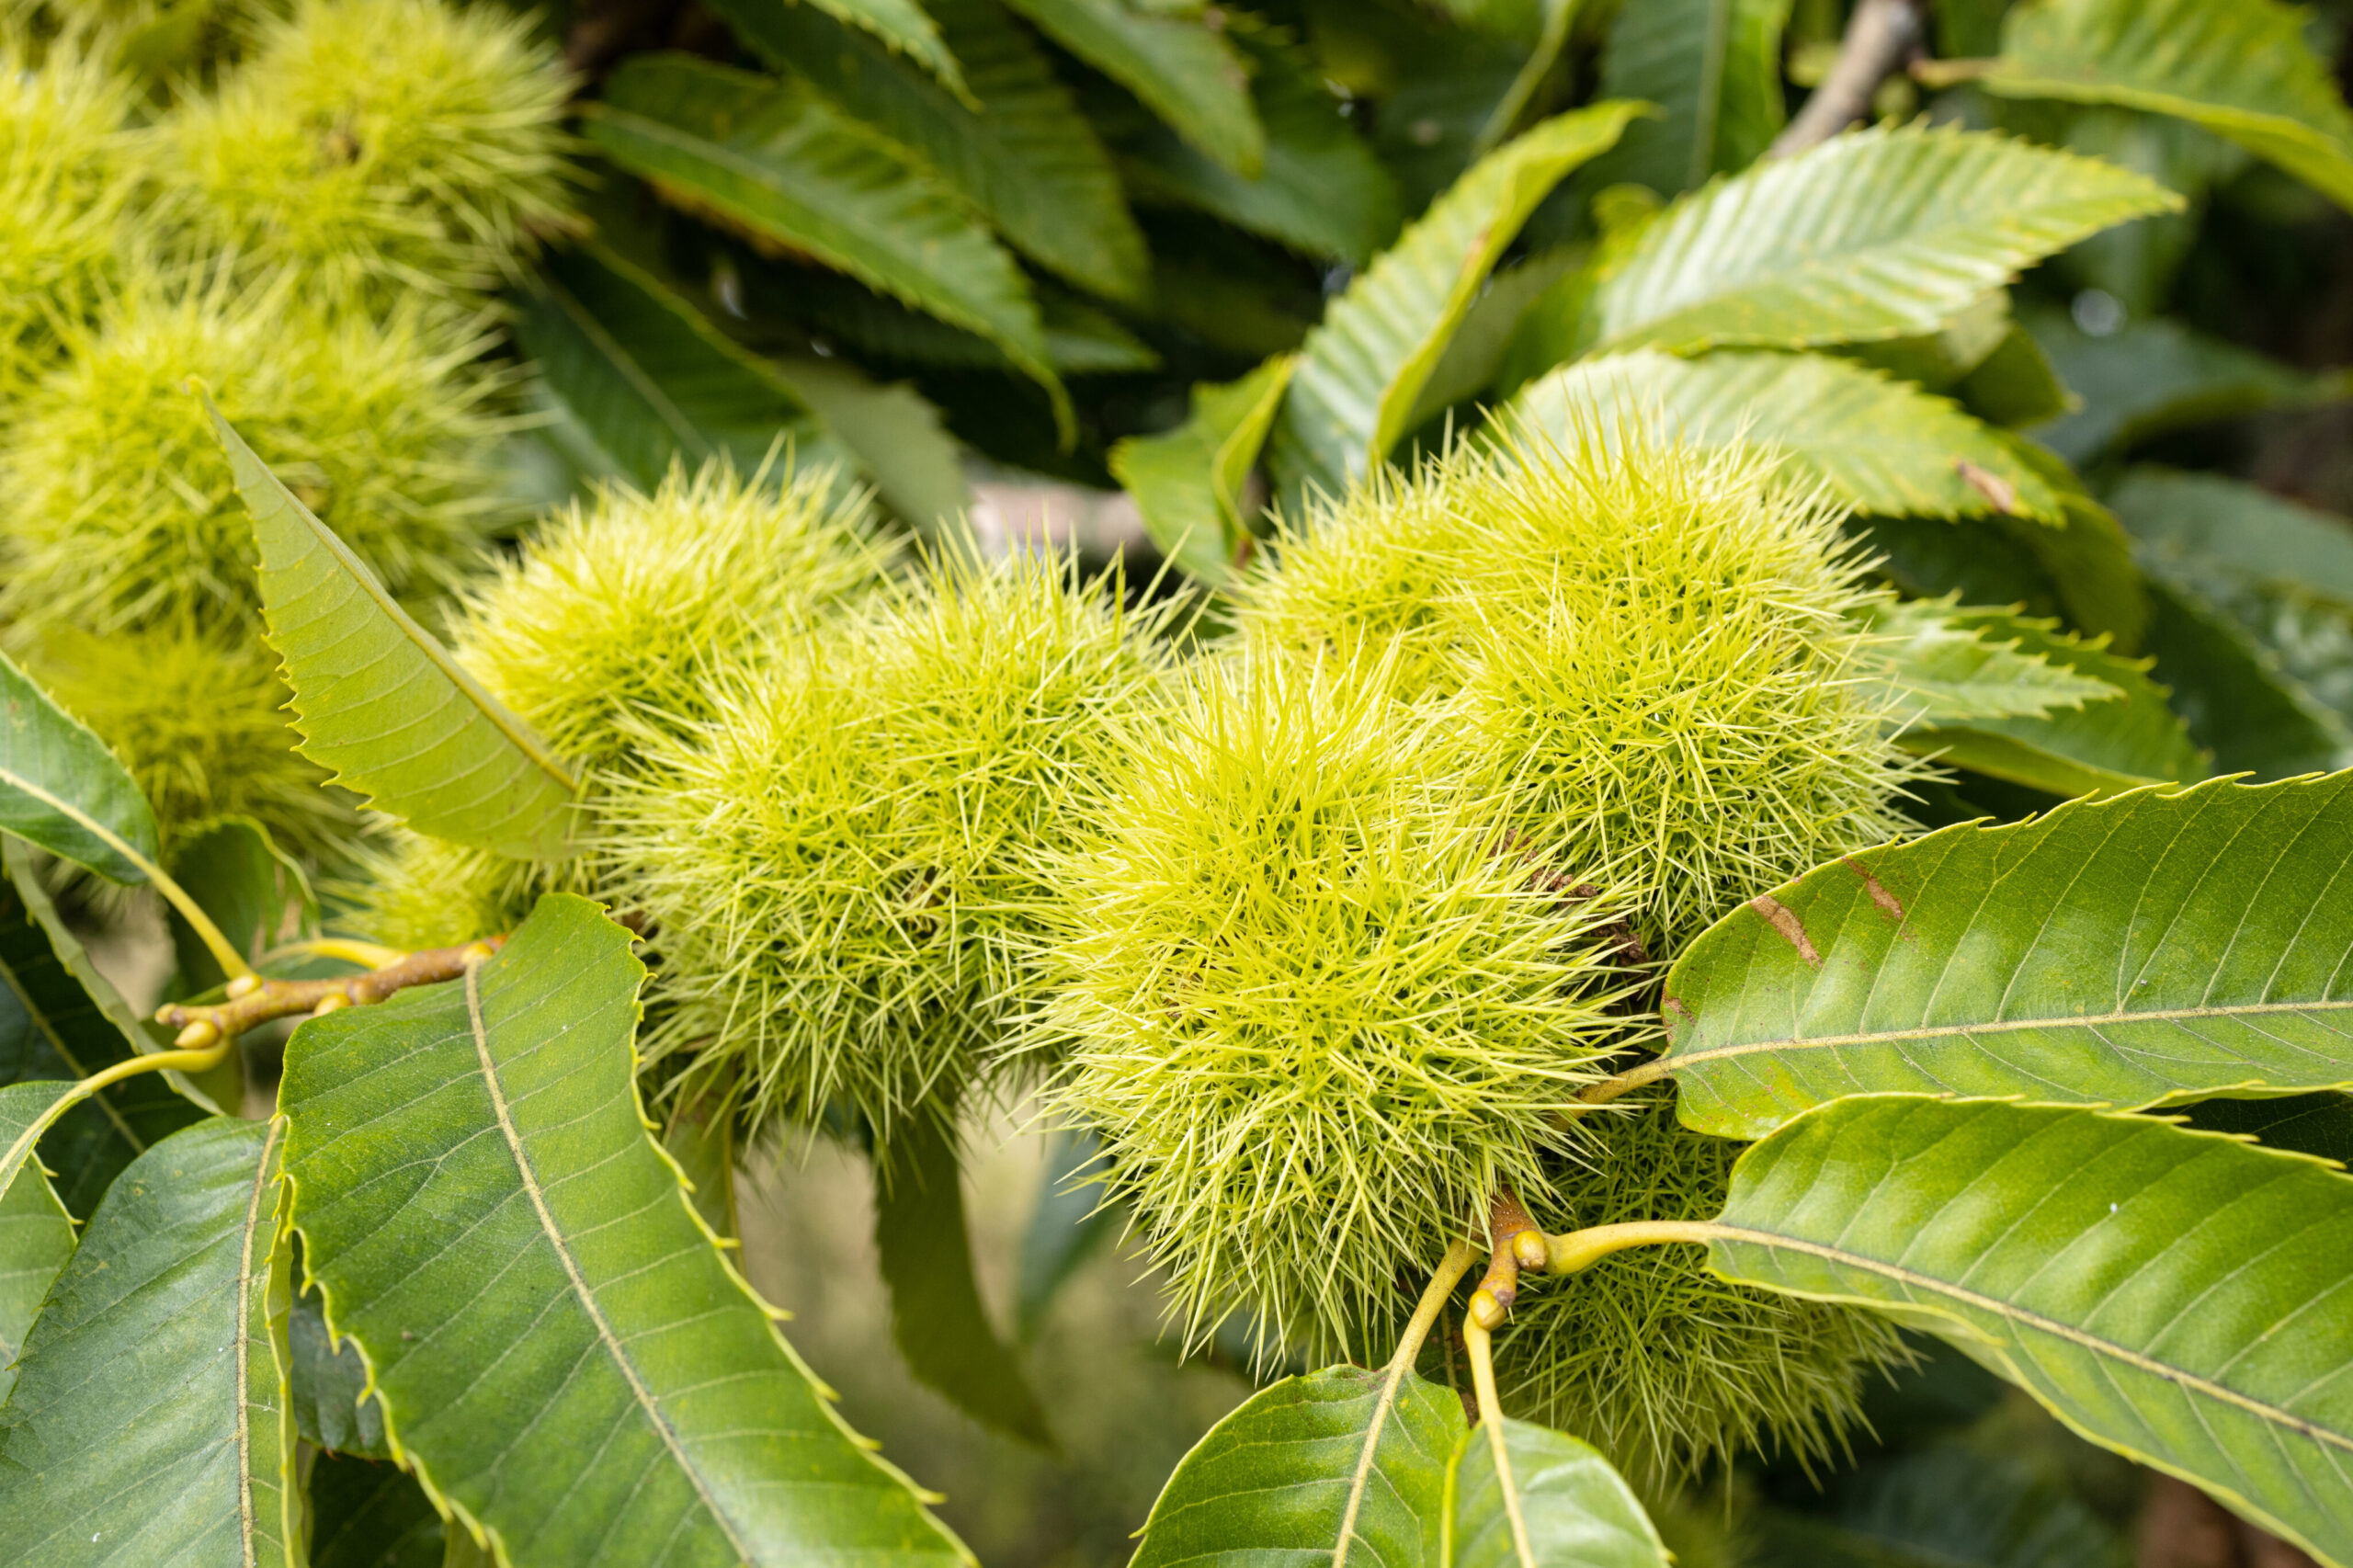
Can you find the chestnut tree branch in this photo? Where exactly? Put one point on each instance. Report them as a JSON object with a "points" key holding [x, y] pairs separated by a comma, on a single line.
{"points": [[1882, 38], [263, 1000]]}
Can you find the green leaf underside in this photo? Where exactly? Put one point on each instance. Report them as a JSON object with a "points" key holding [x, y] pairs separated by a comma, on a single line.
{"points": [[2207, 525], [2156, 947], [2177, 1296], [50, 1027], [1026, 157], [1362, 369], [1933, 661], [1182, 71], [1322, 191], [60, 789], [1715, 69], [149, 1423], [1298, 1464], [782, 165], [901, 25], [1882, 446], [36, 1230], [2120, 742], [937, 1318], [1188, 483], [560, 1351], [646, 375], [2154, 376], [2014, 385], [2240, 68], [380, 701], [1579, 1512], [1876, 234]]}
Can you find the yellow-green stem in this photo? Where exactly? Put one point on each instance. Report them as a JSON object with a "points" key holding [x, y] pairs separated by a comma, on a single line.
{"points": [[1450, 1271], [1582, 1249], [233, 963], [1478, 1341], [1633, 1077]]}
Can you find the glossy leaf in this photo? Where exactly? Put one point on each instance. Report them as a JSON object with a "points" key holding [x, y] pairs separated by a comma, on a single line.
{"points": [[1579, 1512], [2239, 68], [1320, 189], [902, 25], [937, 1319], [1182, 68], [778, 162], [1882, 446], [1328, 1467], [2122, 742], [1188, 483], [2155, 376], [569, 1363], [1940, 662], [36, 1232], [2233, 695], [62, 789], [1025, 156], [150, 1423], [1715, 69], [2164, 1292], [2160, 945], [380, 701], [1877, 235], [1362, 371]]}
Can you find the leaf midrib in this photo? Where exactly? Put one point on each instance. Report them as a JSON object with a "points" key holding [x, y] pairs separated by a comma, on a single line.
{"points": [[589, 1303]]}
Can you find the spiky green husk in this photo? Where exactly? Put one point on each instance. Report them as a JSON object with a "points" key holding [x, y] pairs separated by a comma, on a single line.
{"points": [[1652, 1359], [397, 144], [1314, 1011], [411, 892], [847, 870], [199, 722], [118, 503], [63, 183], [621, 621], [1646, 647]]}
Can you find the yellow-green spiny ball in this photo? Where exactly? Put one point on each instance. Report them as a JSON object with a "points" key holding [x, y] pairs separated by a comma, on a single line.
{"points": [[847, 869], [117, 503], [199, 719], [414, 892], [621, 620], [407, 143], [1314, 1009], [63, 189], [1655, 1361]]}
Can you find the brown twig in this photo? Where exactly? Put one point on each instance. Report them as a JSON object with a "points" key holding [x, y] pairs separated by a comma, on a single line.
{"points": [[1884, 37], [284, 998], [1516, 1242]]}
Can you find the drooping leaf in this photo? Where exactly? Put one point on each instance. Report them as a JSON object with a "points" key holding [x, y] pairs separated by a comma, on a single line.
{"points": [[1320, 191], [1950, 1505], [36, 1232], [1941, 661], [2154, 376], [902, 25], [508, 1306], [1881, 444], [646, 375], [1068, 1226], [255, 894], [2320, 1125], [2128, 739], [1579, 1512], [1336, 1466], [2161, 1290], [2233, 695], [62, 789], [1715, 69], [2209, 526], [780, 163], [1183, 70], [149, 1422], [1881, 234], [368, 1515], [937, 1318], [2160, 945], [52, 1027], [1188, 483], [1361, 372], [896, 437], [1025, 156], [2240, 68], [378, 700]]}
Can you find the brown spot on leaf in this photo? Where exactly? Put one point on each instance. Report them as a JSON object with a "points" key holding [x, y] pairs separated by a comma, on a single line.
{"points": [[1784, 919], [1887, 901], [1998, 492]]}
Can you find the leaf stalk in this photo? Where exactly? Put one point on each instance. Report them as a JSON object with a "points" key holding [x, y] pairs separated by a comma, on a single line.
{"points": [[268, 999]]}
